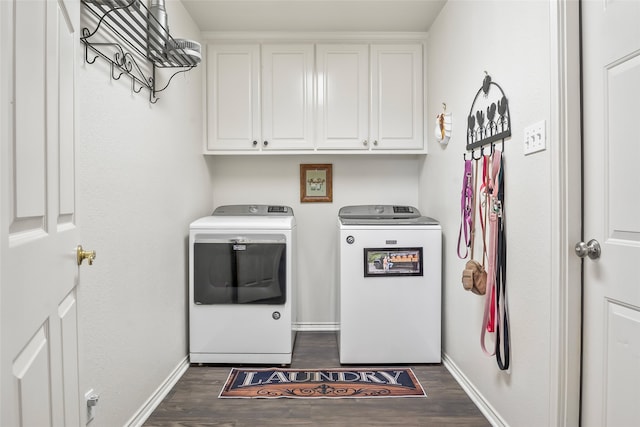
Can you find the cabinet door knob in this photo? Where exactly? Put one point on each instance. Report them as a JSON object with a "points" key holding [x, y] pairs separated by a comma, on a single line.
{"points": [[255, 143], [375, 142], [365, 142], [265, 143]]}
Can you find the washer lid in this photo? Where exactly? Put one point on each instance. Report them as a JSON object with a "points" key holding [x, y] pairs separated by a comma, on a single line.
{"points": [[253, 210], [378, 212], [383, 215]]}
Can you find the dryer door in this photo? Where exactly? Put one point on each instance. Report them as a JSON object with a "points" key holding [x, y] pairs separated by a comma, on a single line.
{"points": [[239, 271]]}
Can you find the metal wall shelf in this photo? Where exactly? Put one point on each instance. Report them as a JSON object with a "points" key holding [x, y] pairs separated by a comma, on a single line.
{"points": [[127, 36]]}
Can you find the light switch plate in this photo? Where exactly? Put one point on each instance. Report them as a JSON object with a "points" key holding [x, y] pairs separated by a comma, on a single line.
{"points": [[535, 138]]}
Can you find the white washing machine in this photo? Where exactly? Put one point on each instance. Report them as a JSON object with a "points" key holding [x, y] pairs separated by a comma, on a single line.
{"points": [[389, 285], [241, 285]]}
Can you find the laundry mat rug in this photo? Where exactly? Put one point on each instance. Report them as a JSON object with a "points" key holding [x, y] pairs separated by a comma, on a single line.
{"points": [[321, 383]]}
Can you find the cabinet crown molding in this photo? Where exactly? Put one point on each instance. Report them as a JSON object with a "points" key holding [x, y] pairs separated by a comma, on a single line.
{"points": [[311, 37]]}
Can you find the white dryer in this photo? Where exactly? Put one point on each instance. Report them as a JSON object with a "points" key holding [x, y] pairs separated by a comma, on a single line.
{"points": [[242, 284], [389, 285]]}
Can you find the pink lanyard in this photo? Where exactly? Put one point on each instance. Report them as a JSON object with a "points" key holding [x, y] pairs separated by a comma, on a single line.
{"points": [[490, 309], [482, 212], [465, 210]]}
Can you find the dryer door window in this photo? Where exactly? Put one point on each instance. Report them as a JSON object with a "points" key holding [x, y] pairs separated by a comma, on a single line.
{"points": [[239, 273]]}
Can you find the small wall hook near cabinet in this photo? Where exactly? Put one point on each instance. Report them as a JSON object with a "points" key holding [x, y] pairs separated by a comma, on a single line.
{"points": [[443, 126]]}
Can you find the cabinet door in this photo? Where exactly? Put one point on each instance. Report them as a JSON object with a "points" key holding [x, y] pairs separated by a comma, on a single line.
{"points": [[343, 96], [287, 96], [233, 97], [397, 97]]}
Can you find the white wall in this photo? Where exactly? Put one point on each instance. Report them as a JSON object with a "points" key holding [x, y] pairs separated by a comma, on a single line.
{"points": [[376, 179], [509, 40], [141, 180]]}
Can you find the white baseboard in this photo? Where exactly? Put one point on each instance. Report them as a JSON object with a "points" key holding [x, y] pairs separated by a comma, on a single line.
{"points": [[156, 398], [487, 410], [316, 326]]}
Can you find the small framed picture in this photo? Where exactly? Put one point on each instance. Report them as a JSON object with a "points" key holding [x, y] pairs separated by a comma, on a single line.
{"points": [[316, 184]]}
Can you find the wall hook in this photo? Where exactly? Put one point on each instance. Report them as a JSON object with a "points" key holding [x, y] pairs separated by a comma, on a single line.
{"points": [[443, 126]]}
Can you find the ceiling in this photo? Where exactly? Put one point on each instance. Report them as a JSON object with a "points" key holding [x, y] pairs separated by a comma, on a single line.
{"points": [[314, 15]]}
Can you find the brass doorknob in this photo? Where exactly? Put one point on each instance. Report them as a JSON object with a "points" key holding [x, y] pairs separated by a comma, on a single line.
{"points": [[81, 255]]}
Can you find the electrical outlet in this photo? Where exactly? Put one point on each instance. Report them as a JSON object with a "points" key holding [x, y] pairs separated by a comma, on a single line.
{"points": [[535, 138]]}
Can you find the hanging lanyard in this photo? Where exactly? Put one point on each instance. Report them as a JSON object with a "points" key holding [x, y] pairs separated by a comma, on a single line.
{"points": [[502, 326], [482, 206], [496, 314], [494, 210], [472, 239], [466, 200]]}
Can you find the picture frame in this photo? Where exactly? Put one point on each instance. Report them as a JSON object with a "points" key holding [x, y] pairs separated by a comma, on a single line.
{"points": [[316, 183]]}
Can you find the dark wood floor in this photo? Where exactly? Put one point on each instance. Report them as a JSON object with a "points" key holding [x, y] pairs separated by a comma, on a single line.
{"points": [[194, 399]]}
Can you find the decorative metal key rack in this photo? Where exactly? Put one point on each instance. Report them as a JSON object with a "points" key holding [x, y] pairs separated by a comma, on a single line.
{"points": [[133, 42], [489, 119], [488, 122]]}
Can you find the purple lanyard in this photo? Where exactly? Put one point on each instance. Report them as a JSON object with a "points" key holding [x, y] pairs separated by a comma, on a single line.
{"points": [[466, 201]]}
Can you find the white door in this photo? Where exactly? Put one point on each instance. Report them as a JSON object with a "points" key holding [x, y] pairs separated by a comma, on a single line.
{"points": [[611, 317], [38, 233], [343, 96], [287, 96], [396, 97]]}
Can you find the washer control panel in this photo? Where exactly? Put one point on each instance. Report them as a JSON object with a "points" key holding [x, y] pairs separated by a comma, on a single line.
{"points": [[253, 210]]}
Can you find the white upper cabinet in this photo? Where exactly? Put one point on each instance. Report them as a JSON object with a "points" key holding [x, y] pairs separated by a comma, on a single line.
{"points": [[287, 96], [396, 97], [325, 98], [233, 97], [343, 96], [259, 97], [370, 97]]}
